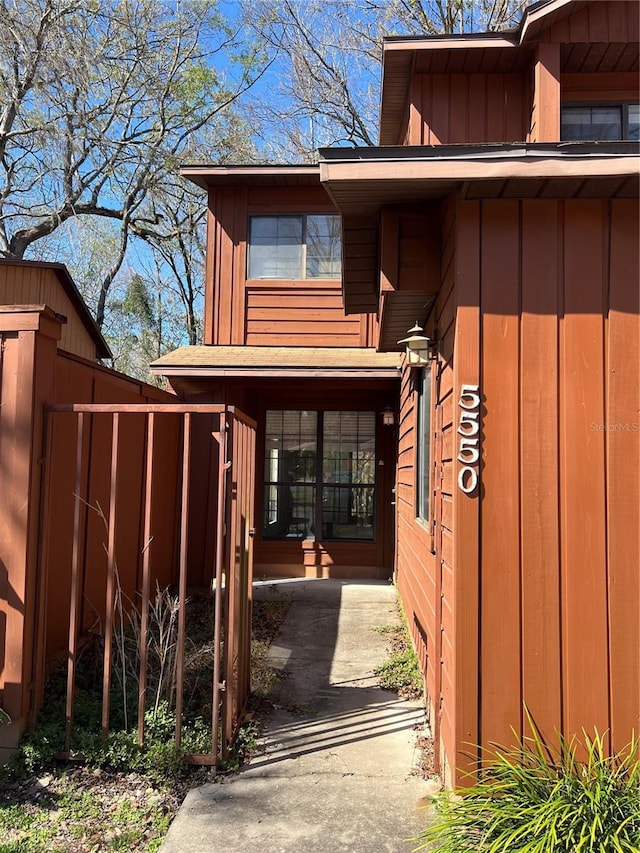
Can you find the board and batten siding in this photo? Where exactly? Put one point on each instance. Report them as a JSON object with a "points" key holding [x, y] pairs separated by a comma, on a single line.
{"points": [[270, 312], [556, 584], [531, 594], [447, 109], [607, 21]]}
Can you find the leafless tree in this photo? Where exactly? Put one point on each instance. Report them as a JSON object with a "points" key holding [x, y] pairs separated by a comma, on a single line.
{"points": [[327, 60], [97, 103]]}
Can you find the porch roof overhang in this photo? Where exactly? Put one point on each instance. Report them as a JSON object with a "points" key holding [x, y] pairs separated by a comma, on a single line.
{"points": [[227, 362], [361, 181]]}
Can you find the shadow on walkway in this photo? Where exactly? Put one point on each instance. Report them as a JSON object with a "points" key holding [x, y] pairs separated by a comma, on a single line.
{"points": [[334, 772]]}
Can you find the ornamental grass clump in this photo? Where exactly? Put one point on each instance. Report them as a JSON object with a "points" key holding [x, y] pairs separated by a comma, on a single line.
{"points": [[573, 798]]}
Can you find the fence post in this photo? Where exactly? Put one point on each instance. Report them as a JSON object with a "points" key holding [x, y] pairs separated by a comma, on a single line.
{"points": [[29, 337]]}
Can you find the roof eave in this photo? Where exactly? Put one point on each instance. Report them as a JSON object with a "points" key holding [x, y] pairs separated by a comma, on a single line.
{"points": [[191, 372], [208, 176]]}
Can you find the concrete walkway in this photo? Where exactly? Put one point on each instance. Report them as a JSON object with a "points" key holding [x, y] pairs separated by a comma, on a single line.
{"points": [[334, 772]]}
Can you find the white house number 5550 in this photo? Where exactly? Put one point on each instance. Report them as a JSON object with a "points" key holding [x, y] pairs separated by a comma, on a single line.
{"points": [[469, 432]]}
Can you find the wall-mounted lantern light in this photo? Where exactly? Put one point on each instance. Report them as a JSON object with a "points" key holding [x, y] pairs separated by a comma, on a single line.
{"points": [[388, 417], [419, 348]]}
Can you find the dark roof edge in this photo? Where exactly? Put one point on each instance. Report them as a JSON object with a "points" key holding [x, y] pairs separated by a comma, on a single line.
{"points": [[480, 151], [206, 176], [70, 288]]}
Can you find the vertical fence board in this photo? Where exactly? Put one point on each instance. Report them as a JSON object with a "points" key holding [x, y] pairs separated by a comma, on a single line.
{"points": [[111, 576], [74, 607], [146, 576], [539, 465], [221, 438], [182, 582]]}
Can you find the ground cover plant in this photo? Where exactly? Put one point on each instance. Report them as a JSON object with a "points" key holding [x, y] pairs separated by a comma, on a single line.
{"points": [[121, 797], [401, 671], [541, 798]]}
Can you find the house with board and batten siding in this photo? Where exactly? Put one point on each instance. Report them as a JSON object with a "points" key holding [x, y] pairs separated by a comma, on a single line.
{"points": [[493, 471]]}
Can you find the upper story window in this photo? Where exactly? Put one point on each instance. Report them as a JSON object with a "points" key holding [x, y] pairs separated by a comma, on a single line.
{"points": [[294, 247], [588, 122]]}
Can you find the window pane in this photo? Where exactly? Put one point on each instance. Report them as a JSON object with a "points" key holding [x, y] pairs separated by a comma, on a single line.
{"points": [[423, 455], [324, 247], [290, 473], [348, 475], [634, 122], [591, 123], [275, 247], [348, 513]]}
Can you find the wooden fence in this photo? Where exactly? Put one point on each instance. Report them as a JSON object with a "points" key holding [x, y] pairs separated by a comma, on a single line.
{"points": [[113, 492], [128, 534]]}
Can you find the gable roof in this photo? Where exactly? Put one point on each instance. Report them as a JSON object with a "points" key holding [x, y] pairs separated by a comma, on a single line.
{"points": [[74, 296]]}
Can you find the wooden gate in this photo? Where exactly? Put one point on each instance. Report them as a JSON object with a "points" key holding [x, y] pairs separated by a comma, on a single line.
{"points": [[141, 504]]}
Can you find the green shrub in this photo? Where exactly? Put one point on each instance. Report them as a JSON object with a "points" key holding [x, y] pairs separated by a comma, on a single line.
{"points": [[542, 799]]}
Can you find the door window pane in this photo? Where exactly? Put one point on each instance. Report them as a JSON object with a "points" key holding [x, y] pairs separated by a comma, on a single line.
{"points": [[336, 486], [348, 475], [290, 474]]}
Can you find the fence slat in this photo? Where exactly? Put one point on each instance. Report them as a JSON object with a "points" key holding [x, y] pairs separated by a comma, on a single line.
{"points": [[182, 585], [221, 438], [146, 557], [111, 570], [74, 604], [42, 578]]}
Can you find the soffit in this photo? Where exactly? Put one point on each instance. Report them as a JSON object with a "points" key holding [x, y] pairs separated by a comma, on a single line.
{"points": [[399, 312]]}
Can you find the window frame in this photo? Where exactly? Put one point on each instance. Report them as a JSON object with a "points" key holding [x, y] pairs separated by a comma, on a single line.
{"points": [[423, 492], [624, 117], [302, 272]]}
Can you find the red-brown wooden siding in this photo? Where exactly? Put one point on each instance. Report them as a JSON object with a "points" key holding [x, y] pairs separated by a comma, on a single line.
{"points": [[621, 86], [540, 600], [468, 108], [598, 23], [270, 312]]}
